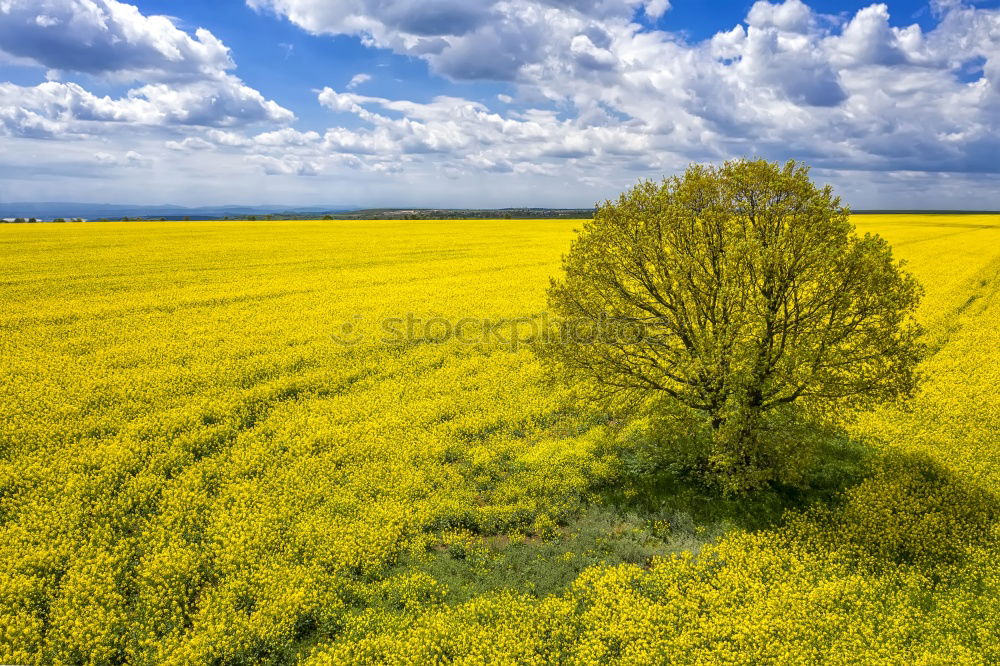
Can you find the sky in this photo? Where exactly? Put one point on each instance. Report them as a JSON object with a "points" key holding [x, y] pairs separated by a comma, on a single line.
{"points": [[492, 103]]}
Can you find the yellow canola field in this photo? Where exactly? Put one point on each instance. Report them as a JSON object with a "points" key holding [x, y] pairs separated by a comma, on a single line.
{"points": [[235, 442]]}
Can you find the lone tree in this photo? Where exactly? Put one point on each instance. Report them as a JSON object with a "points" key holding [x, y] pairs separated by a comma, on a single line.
{"points": [[735, 292]]}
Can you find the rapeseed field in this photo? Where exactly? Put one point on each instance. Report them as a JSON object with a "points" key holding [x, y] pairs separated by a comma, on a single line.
{"points": [[331, 442]]}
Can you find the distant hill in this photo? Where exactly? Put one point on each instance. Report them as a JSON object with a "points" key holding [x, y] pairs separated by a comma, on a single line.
{"points": [[462, 213], [48, 210], [68, 210]]}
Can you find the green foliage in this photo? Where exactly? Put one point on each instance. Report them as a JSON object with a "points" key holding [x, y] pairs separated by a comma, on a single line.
{"points": [[737, 291]]}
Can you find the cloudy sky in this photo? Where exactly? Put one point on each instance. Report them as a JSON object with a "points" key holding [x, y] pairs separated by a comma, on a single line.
{"points": [[491, 102]]}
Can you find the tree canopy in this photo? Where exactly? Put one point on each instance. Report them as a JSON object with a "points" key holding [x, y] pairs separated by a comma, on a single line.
{"points": [[735, 291]]}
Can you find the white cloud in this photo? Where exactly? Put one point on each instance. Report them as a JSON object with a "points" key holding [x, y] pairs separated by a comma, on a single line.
{"points": [[656, 8], [20, 122], [868, 39], [788, 16], [860, 94], [129, 159], [287, 166], [225, 138], [449, 129], [287, 137], [589, 55], [107, 37], [488, 39], [224, 102], [357, 80], [67, 108], [183, 79], [190, 143]]}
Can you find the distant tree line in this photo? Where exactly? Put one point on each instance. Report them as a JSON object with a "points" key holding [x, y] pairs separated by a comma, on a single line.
{"points": [[461, 214], [366, 214]]}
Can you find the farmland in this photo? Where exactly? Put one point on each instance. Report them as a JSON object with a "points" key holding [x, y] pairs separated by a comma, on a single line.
{"points": [[234, 442]]}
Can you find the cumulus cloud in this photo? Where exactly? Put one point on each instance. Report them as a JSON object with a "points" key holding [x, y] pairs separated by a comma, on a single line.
{"points": [[224, 102], [20, 122], [488, 39], [456, 130], [858, 93], [792, 16], [788, 77], [286, 137], [184, 79], [53, 108], [792, 67], [868, 39], [656, 8], [107, 37]]}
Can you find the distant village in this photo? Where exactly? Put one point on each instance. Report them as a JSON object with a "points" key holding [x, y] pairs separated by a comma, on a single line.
{"points": [[32, 220]]}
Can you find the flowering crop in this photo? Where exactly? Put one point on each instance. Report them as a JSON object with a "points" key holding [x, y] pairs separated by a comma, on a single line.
{"points": [[210, 453]]}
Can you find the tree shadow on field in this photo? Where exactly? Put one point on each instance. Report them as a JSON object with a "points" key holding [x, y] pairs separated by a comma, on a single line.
{"points": [[910, 511], [661, 477], [882, 507], [650, 507]]}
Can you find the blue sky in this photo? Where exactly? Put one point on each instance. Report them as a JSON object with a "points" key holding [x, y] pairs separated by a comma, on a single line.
{"points": [[491, 102]]}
